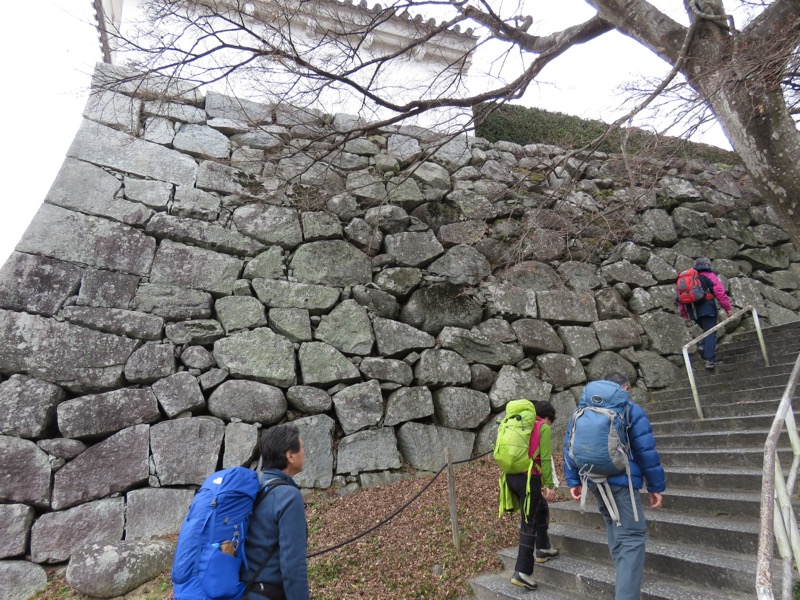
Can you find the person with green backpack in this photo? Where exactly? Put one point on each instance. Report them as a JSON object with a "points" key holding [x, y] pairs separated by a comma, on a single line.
{"points": [[540, 450], [520, 481]]}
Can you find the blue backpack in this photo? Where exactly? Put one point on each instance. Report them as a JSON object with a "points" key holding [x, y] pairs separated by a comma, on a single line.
{"points": [[597, 439], [210, 552]]}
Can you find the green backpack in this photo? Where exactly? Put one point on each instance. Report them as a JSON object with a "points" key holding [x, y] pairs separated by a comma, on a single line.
{"points": [[514, 436]]}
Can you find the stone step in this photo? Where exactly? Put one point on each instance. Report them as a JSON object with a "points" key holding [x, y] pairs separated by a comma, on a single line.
{"points": [[741, 367], [778, 352], [712, 502], [572, 578], [772, 336], [767, 329], [741, 479], [791, 325], [498, 585], [721, 387], [726, 533], [738, 367], [704, 440], [741, 457], [742, 408], [729, 424], [750, 363], [731, 376], [704, 568], [780, 360], [784, 343]]}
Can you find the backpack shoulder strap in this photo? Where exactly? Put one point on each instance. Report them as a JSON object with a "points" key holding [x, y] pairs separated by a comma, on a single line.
{"points": [[707, 284], [533, 445], [267, 488]]}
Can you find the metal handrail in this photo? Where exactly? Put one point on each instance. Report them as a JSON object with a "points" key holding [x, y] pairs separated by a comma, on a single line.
{"points": [[688, 361], [778, 522]]}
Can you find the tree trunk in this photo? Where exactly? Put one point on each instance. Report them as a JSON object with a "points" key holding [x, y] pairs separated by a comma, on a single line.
{"points": [[739, 76], [766, 139]]}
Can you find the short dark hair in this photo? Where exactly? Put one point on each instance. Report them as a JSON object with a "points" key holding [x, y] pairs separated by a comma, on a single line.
{"points": [[619, 378], [275, 442], [545, 410]]}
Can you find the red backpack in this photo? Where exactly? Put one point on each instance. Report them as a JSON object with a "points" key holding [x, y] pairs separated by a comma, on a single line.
{"points": [[690, 289]]}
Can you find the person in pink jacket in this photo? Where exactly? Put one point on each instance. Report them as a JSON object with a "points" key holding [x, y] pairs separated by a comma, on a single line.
{"points": [[704, 312]]}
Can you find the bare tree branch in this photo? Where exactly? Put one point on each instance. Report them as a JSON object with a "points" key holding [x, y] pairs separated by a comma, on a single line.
{"points": [[774, 17], [659, 89], [576, 34], [644, 23]]}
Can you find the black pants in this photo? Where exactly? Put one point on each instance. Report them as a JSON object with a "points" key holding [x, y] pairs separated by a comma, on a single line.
{"points": [[260, 591], [541, 523], [528, 528]]}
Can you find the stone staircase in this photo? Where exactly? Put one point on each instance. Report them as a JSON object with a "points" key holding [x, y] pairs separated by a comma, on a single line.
{"points": [[702, 544]]}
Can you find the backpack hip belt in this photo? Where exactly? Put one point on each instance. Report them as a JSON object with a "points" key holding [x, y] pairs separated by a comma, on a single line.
{"points": [[607, 496]]}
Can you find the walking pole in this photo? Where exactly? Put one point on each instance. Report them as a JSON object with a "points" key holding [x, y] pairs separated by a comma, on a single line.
{"points": [[451, 493]]}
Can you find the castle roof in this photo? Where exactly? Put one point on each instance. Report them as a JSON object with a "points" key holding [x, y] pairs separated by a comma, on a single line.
{"points": [[391, 30]]}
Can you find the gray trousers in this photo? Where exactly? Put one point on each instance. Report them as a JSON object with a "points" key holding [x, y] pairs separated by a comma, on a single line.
{"points": [[626, 542]]}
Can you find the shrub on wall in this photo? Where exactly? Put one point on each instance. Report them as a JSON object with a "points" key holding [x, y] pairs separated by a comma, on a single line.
{"points": [[533, 125]]}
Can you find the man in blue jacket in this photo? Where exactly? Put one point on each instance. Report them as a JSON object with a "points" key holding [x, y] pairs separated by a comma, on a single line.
{"points": [[626, 540], [277, 537]]}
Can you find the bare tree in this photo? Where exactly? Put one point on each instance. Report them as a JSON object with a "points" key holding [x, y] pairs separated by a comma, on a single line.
{"points": [[303, 49]]}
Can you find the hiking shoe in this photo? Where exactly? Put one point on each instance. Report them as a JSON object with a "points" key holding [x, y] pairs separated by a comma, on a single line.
{"points": [[545, 554], [525, 581]]}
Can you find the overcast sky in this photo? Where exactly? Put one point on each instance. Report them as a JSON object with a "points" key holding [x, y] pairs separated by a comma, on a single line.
{"points": [[50, 48]]}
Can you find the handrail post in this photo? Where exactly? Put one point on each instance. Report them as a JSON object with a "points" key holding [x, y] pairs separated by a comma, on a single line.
{"points": [[777, 525], [687, 361], [760, 335], [794, 438], [692, 383], [767, 514]]}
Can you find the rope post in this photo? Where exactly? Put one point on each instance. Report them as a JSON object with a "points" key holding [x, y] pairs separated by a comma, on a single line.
{"points": [[451, 494]]}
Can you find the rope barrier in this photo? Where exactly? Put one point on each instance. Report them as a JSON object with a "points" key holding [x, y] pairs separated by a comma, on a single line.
{"points": [[395, 513]]}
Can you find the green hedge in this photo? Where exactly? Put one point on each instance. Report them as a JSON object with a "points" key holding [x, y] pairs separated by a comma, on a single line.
{"points": [[533, 125]]}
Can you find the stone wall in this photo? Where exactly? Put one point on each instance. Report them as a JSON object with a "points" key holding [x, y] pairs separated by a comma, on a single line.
{"points": [[203, 268]]}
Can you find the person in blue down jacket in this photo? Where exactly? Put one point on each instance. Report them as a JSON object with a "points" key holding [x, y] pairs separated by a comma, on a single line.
{"points": [[626, 541], [277, 537]]}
